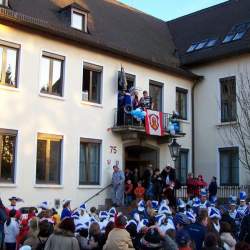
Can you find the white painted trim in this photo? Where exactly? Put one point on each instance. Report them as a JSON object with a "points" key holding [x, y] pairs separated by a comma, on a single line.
{"points": [[55, 97], [102, 82], [48, 186], [60, 53], [93, 104], [9, 89], [8, 185], [62, 161], [85, 16]]}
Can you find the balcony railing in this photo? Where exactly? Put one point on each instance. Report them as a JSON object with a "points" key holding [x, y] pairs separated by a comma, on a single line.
{"points": [[125, 121]]}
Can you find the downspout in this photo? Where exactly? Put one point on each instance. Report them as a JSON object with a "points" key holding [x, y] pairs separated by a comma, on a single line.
{"points": [[193, 125]]}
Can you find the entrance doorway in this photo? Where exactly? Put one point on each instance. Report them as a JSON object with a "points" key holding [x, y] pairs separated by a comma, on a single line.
{"points": [[140, 157]]}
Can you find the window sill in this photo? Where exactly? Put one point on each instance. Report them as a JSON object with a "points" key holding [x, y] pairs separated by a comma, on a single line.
{"points": [[90, 187], [8, 185], [52, 97], [97, 105], [48, 186], [7, 88], [222, 124]]}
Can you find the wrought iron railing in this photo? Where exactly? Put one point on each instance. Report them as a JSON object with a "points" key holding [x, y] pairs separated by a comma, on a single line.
{"points": [[224, 192], [124, 119]]}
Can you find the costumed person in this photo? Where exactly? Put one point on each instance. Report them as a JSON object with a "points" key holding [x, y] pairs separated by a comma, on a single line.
{"points": [[232, 206], [241, 210], [201, 183], [204, 202], [245, 229], [66, 212], [13, 206], [215, 216], [212, 189], [168, 179], [118, 179]]}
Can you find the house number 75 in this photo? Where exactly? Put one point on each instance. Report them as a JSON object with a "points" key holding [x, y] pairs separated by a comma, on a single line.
{"points": [[113, 149]]}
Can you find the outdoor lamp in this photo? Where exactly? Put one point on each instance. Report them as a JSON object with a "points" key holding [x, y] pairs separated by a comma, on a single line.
{"points": [[174, 149]]}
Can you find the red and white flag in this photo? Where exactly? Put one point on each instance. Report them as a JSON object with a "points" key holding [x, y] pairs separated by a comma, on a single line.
{"points": [[153, 123]]}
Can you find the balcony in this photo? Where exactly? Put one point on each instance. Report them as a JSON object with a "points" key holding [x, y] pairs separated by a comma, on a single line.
{"points": [[131, 129]]}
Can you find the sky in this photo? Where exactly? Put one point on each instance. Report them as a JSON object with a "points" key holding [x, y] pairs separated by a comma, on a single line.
{"points": [[170, 9]]}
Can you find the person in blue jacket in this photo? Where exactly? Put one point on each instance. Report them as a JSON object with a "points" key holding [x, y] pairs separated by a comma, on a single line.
{"points": [[198, 230], [66, 212]]}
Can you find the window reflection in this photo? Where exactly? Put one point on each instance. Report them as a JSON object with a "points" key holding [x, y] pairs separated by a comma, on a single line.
{"points": [[77, 21], [8, 64], [51, 76]]}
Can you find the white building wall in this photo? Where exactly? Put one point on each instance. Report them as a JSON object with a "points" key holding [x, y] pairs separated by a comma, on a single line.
{"points": [[210, 133], [26, 110]]}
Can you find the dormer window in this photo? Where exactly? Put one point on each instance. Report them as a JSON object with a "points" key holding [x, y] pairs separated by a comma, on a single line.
{"points": [[79, 20], [4, 3]]}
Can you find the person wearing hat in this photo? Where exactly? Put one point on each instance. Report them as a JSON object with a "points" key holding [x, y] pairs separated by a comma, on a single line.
{"points": [[204, 202], [118, 179], [245, 229], [152, 239], [13, 206], [66, 212], [232, 206]]}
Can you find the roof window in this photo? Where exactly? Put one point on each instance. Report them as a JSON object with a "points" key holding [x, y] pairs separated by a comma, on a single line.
{"points": [[237, 32], [202, 44], [79, 20]]}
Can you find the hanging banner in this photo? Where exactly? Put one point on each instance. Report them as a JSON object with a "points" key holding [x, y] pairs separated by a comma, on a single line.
{"points": [[153, 123]]}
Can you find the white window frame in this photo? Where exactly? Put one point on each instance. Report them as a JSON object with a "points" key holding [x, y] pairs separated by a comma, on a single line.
{"points": [[84, 16]]}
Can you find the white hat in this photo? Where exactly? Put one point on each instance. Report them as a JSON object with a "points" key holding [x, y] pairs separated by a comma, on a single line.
{"points": [[43, 205], [65, 201]]}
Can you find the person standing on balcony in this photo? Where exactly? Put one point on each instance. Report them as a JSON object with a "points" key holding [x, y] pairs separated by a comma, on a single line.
{"points": [[146, 101], [212, 189], [118, 179]]}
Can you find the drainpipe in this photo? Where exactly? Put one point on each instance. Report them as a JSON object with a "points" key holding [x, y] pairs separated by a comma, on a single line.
{"points": [[193, 126]]}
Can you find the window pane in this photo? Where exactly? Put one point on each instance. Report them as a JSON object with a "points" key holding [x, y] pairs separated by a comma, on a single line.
{"points": [[96, 87], [228, 100], [10, 71], [155, 92], [57, 77], [83, 164], [48, 168], [94, 163], [41, 161], [225, 168], [45, 71], [86, 85], [181, 104], [182, 167], [235, 168], [7, 157], [55, 162], [77, 21], [89, 166]]}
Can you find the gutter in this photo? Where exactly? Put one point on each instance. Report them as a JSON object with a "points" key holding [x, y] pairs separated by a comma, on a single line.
{"points": [[65, 32]]}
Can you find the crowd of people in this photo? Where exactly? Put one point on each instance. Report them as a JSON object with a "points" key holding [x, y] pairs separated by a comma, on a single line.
{"points": [[156, 219], [150, 225], [155, 185]]}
